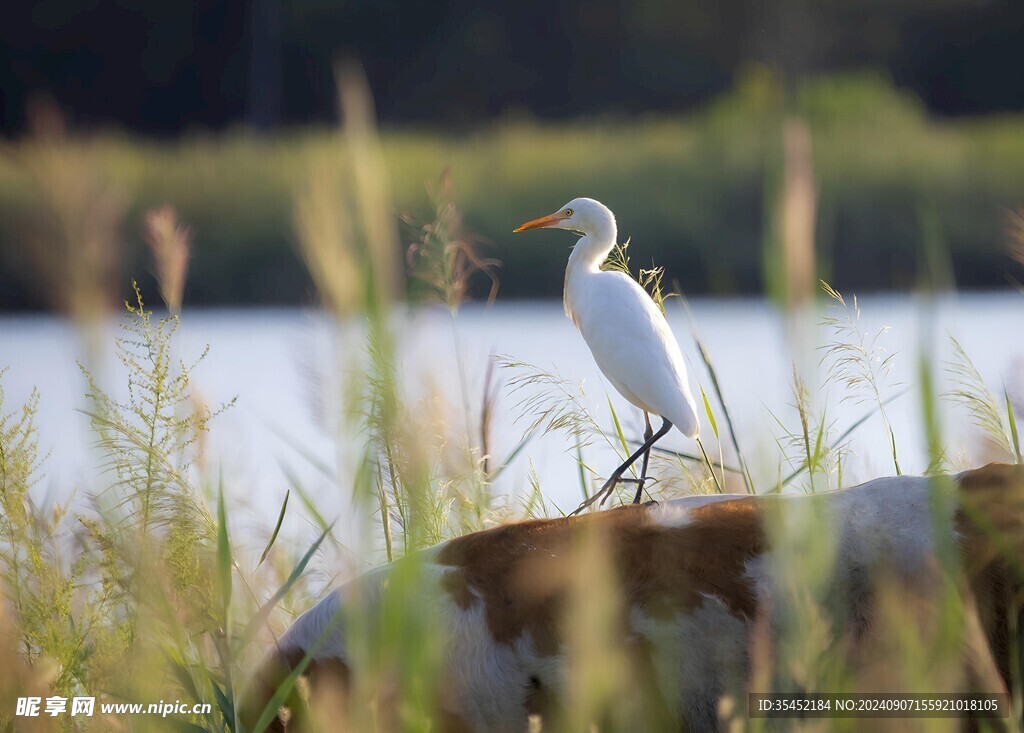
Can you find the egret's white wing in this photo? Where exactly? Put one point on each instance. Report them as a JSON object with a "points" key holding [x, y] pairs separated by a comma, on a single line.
{"points": [[634, 347]]}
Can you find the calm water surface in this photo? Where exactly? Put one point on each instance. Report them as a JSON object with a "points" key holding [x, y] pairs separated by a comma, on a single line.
{"points": [[283, 366]]}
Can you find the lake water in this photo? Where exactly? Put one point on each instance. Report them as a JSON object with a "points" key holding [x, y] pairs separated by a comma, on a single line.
{"points": [[282, 365]]}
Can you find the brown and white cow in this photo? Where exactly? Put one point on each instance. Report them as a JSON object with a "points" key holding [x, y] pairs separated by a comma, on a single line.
{"points": [[699, 587]]}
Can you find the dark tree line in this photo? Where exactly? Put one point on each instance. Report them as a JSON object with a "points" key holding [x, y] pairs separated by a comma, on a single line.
{"points": [[162, 67]]}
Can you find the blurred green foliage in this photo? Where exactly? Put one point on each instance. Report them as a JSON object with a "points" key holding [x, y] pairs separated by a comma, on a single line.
{"points": [[689, 191]]}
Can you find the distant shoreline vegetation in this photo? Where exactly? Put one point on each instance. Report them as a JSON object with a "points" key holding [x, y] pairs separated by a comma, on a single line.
{"points": [[897, 193]]}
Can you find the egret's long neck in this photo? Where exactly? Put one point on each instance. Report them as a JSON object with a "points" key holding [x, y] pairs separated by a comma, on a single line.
{"points": [[588, 254], [592, 248]]}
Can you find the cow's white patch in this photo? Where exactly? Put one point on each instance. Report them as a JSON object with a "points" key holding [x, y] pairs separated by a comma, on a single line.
{"points": [[676, 513], [669, 514], [363, 592], [699, 656], [487, 682]]}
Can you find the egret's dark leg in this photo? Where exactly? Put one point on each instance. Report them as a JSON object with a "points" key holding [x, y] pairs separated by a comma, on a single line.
{"points": [[648, 434], [609, 485]]}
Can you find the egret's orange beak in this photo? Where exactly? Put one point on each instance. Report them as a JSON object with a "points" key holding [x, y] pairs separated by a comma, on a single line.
{"points": [[544, 221]]}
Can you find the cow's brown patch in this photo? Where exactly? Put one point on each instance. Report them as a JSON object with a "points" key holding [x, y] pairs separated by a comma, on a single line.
{"points": [[327, 679], [522, 572], [990, 521]]}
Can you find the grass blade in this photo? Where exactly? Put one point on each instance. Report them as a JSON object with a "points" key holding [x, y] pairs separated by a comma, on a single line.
{"points": [[618, 427], [224, 561], [224, 565], [277, 529], [307, 502], [705, 357], [1011, 418], [512, 456], [819, 453], [582, 472], [260, 616], [846, 433], [709, 413], [707, 461], [181, 673], [385, 513], [226, 708]]}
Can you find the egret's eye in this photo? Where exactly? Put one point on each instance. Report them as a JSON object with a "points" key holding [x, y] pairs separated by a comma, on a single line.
{"points": [[568, 212]]}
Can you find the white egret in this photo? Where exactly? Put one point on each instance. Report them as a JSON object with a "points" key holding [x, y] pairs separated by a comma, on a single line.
{"points": [[625, 330]]}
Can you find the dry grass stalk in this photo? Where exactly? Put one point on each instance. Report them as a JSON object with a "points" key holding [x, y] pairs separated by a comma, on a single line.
{"points": [[325, 234], [71, 228], [798, 205], [970, 391], [170, 242], [858, 361], [372, 202], [445, 256]]}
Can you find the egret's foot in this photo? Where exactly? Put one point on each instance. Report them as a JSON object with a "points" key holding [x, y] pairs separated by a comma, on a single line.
{"points": [[644, 483], [609, 485], [603, 493]]}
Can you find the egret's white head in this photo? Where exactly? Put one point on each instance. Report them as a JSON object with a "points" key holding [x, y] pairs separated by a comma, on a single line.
{"points": [[582, 215]]}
